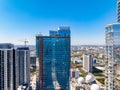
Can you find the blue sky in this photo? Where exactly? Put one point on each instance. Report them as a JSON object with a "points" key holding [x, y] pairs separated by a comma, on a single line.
{"points": [[23, 19]]}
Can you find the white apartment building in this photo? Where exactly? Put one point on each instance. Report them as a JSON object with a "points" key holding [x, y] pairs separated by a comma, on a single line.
{"points": [[87, 62]]}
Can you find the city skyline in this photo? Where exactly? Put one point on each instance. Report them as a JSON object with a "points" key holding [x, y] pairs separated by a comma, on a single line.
{"points": [[21, 20]]}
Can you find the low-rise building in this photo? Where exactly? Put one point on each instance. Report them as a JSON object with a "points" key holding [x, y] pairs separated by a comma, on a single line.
{"points": [[75, 73]]}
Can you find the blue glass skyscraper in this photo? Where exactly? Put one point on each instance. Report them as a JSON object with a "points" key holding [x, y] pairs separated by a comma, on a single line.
{"points": [[53, 52]]}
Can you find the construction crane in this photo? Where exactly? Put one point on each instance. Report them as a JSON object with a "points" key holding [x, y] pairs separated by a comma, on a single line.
{"points": [[25, 42]]}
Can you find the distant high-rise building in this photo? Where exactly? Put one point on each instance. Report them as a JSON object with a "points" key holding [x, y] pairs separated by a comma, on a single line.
{"points": [[33, 58], [112, 57], [118, 10], [22, 66], [7, 69], [87, 62], [54, 59]]}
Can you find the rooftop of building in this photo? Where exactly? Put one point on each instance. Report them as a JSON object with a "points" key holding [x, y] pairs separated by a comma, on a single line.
{"points": [[61, 32], [64, 28], [23, 48], [111, 24], [6, 45]]}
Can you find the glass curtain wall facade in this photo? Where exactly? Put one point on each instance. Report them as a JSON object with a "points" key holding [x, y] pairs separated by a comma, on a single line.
{"points": [[54, 60], [112, 57], [118, 10]]}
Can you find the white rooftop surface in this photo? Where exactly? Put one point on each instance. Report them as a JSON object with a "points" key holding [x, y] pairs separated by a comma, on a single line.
{"points": [[81, 80], [89, 78], [95, 87], [101, 68]]}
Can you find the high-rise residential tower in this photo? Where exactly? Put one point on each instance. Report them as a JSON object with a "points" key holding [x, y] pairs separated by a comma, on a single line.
{"points": [[22, 66], [7, 70], [118, 10], [87, 62], [53, 52], [112, 57]]}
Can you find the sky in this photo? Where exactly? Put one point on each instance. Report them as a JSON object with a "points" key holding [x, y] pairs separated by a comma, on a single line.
{"points": [[24, 19]]}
